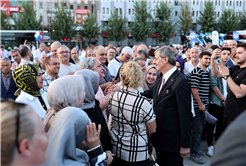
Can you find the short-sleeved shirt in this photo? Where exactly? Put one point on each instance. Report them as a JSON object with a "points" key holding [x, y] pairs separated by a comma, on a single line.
{"points": [[37, 54], [114, 66], [234, 106], [200, 79], [128, 103]]}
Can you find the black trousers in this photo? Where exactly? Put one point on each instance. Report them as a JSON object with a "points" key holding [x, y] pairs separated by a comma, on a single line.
{"points": [[169, 159], [217, 112], [118, 162]]}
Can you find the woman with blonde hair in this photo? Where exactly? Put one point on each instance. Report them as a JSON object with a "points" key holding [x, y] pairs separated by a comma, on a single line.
{"points": [[23, 139], [132, 119]]}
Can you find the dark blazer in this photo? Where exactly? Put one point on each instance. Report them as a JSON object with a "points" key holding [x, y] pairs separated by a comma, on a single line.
{"points": [[173, 113], [12, 88]]}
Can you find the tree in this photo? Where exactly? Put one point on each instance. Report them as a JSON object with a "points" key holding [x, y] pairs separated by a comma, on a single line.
{"points": [[207, 18], [163, 23], [116, 27], [90, 27], [4, 22], [62, 26], [185, 19], [141, 25], [228, 22], [242, 18], [27, 20]]}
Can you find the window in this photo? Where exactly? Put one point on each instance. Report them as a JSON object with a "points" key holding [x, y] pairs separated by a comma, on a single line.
{"points": [[40, 5], [121, 11], [240, 3], [103, 10], [219, 3], [117, 11], [49, 20], [236, 13], [227, 3], [197, 2], [129, 11], [197, 13], [48, 5], [193, 13], [176, 3], [132, 0], [230, 3], [215, 2], [176, 13], [237, 3], [86, 6], [64, 3], [56, 4], [107, 10], [71, 5], [157, 1], [218, 14], [194, 2], [78, 6], [132, 11], [154, 1]]}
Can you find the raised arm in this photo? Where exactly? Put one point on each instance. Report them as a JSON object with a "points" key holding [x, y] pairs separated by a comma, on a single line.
{"points": [[214, 69]]}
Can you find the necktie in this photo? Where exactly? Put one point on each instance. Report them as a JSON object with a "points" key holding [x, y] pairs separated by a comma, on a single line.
{"points": [[162, 84]]}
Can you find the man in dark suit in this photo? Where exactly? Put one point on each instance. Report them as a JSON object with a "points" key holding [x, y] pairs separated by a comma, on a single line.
{"points": [[8, 86], [172, 105]]}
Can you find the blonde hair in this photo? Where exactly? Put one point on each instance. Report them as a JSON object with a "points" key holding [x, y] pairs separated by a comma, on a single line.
{"points": [[131, 75], [27, 128]]}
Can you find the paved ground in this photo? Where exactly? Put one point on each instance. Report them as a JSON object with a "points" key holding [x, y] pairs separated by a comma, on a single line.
{"points": [[188, 162]]}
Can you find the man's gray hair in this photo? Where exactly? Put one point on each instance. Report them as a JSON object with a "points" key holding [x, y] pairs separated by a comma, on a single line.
{"points": [[142, 52], [5, 59], [138, 59], [63, 46], [88, 63], [127, 51], [95, 49], [199, 51], [166, 51]]}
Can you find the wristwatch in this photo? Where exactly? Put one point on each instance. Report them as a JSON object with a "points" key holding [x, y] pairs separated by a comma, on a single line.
{"points": [[226, 76], [223, 100]]}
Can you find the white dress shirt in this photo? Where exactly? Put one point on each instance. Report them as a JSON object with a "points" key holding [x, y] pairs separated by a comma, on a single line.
{"points": [[34, 102]]}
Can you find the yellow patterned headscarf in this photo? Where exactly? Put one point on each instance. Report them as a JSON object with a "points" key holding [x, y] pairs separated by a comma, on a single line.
{"points": [[25, 77]]}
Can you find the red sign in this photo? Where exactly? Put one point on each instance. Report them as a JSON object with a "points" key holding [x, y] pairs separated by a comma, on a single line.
{"points": [[83, 11], [5, 6]]}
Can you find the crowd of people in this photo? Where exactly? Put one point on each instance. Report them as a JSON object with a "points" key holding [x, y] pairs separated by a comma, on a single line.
{"points": [[114, 105]]}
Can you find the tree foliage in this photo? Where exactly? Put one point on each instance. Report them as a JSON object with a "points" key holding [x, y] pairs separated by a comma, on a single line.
{"points": [[242, 19], [207, 17], [116, 27], [90, 27], [185, 19], [141, 26], [62, 26], [163, 21], [4, 22], [228, 22], [26, 20]]}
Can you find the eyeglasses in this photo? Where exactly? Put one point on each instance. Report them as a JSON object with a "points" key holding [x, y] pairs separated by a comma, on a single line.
{"points": [[62, 52], [17, 127], [103, 54], [127, 57]]}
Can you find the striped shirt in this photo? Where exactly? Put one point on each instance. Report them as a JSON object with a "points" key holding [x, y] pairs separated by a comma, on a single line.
{"points": [[127, 103], [200, 79]]}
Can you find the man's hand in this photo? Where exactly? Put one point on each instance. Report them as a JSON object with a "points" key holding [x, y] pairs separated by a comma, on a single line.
{"points": [[202, 108], [216, 54], [71, 73], [110, 157], [184, 151], [223, 103], [223, 70]]}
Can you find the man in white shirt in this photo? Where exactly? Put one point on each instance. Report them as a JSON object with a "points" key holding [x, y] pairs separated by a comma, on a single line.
{"points": [[39, 52], [194, 62], [115, 63], [26, 55], [66, 68], [5, 52]]}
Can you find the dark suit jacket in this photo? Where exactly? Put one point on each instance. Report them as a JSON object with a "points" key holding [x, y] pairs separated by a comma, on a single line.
{"points": [[12, 88], [173, 113]]}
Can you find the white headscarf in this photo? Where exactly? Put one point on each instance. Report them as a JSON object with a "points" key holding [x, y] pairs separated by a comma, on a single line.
{"points": [[67, 131]]}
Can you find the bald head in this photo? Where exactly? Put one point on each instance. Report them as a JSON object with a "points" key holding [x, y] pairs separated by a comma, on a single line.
{"points": [[134, 49], [43, 57], [42, 47], [142, 47], [54, 46], [233, 45]]}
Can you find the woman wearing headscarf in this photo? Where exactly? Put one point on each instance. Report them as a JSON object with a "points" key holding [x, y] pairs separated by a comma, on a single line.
{"points": [[132, 119], [67, 91], [92, 108], [180, 63], [150, 77], [67, 131], [28, 78]]}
